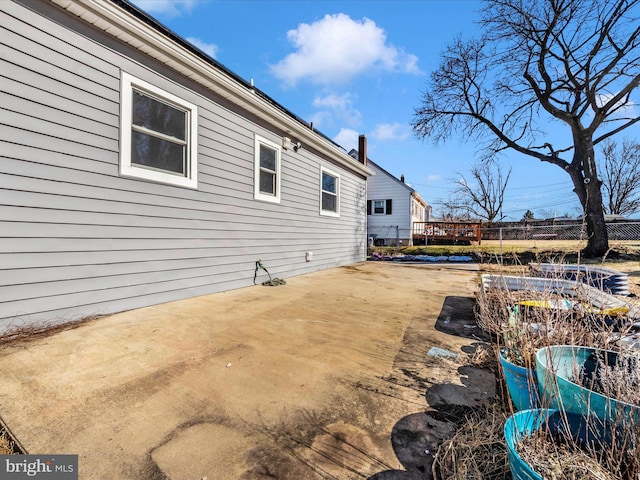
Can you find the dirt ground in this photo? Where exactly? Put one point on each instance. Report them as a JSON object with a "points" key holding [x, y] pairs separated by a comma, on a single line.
{"points": [[350, 373]]}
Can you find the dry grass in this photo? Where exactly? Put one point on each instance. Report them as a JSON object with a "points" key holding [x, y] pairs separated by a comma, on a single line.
{"points": [[616, 377], [483, 356], [525, 329], [631, 247], [27, 333], [7, 445], [610, 453], [477, 451], [555, 457]]}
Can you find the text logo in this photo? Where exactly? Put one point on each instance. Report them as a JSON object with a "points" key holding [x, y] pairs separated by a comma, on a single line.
{"points": [[39, 467]]}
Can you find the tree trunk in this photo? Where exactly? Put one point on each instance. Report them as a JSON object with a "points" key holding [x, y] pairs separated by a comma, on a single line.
{"points": [[598, 238], [588, 188]]}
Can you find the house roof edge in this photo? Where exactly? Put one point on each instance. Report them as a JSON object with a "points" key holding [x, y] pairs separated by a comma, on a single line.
{"points": [[134, 27], [411, 189]]}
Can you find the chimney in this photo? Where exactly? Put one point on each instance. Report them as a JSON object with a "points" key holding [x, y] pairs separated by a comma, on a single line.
{"points": [[362, 149], [402, 178]]}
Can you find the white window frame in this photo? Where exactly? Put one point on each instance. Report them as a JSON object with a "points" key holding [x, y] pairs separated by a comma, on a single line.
{"points": [[330, 213], [190, 180], [257, 194], [384, 207]]}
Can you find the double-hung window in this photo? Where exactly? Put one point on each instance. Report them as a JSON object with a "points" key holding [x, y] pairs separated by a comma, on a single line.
{"points": [[159, 134], [267, 170], [329, 193], [379, 207]]}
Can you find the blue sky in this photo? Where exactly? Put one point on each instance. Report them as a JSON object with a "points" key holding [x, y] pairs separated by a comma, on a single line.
{"points": [[359, 66]]}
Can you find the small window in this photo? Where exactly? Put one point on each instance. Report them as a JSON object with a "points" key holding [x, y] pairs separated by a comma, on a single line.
{"points": [[158, 135], [379, 207], [329, 193], [267, 170]]}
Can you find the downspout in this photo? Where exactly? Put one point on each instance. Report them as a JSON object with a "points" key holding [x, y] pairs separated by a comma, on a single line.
{"points": [[362, 158]]}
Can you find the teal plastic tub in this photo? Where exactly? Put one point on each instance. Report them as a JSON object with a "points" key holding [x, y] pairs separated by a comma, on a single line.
{"points": [[521, 383], [518, 426], [557, 367], [527, 422]]}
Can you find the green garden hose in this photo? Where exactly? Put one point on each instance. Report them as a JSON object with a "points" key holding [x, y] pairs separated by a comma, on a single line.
{"points": [[272, 282]]}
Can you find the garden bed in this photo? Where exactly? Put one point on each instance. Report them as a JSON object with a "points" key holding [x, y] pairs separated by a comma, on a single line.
{"points": [[528, 317]]}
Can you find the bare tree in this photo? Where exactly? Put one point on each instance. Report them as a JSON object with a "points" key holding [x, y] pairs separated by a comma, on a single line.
{"points": [[547, 213], [549, 79], [482, 196], [453, 209], [621, 176]]}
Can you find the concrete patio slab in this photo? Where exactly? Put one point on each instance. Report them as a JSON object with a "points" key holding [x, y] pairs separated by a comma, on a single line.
{"points": [[302, 381]]}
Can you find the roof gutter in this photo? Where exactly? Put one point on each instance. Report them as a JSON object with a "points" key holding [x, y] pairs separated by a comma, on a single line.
{"points": [[152, 39]]}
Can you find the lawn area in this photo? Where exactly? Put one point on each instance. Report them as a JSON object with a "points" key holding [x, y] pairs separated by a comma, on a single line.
{"points": [[624, 255], [619, 249]]}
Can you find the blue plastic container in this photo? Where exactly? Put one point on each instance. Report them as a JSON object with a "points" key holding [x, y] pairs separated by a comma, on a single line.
{"points": [[557, 366], [517, 426], [526, 422], [521, 383]]}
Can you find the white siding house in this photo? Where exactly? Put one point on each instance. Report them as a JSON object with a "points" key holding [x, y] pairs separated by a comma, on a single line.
{"points": [[393, 207], [135, 170]]}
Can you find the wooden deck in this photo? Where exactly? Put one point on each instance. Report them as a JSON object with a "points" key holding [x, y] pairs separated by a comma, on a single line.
{"points": [[447, 233]]}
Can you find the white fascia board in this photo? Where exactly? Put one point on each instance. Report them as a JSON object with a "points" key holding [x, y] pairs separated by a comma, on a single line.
{"points": [[417, 196], [110, 18]]}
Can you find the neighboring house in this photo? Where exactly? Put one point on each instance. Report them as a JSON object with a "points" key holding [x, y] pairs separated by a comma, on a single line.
{"points": [[395, 211], [136, 170]]}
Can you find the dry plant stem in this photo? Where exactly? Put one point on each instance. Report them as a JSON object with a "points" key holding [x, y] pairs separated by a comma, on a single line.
{"points": [[483, 356], [26, 333], [523, 330], [7, 447], [559, 458], [476, 451], [619, 379]]}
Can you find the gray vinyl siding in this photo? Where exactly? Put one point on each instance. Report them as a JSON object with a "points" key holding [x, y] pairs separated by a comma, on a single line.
{"points": [[77, 239]]}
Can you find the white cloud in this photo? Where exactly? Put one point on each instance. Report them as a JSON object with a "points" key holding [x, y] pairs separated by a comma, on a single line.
{"points": [[337, 107], [434, 178], [337, 48], [208, 48], [628, 110], [321, 118], [170, 8], [390, 131], [334, 101], [347, 139]]}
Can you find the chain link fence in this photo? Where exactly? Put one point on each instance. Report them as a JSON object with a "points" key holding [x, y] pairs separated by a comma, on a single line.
{"points": [[389, 236], [551, 230], [394, 236]]}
